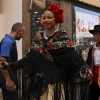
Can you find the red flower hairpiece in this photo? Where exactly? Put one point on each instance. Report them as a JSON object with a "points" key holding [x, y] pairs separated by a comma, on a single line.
{"points": [[57, 11]]}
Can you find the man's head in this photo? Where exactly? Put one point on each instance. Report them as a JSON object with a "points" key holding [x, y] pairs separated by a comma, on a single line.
{"points": [[96, 33], [96, 29], [17, 31]]}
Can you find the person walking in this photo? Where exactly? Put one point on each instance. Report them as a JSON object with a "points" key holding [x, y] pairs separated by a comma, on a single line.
{"points": [[93, 60], [52, 59], [8, 53]]}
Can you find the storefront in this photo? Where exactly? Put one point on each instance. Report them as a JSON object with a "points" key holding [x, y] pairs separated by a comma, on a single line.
{"points": [[84, 16], [84, 21]]}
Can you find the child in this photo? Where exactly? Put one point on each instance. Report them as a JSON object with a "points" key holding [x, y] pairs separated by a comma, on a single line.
{"points": [[93, 60]]}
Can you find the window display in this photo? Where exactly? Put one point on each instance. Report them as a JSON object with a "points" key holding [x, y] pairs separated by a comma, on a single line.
{"points": [[84, 21]]}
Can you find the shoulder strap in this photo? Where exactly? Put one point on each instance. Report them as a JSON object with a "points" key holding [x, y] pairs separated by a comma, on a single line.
{"points": [[55, 36], [13, 53]]}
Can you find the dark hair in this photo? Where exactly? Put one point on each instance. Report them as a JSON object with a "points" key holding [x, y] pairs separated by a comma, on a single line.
{"points": [[16, 26]]}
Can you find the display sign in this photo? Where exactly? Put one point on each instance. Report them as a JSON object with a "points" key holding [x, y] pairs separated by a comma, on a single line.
{"points": [[84, 23]]}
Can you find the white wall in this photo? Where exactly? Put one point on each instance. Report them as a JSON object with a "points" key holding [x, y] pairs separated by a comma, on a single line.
{"points": [[0, 6], [12, 13], [1, 26]]}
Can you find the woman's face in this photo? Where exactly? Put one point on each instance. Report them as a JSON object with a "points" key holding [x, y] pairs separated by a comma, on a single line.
{"points": [[49, 20]]}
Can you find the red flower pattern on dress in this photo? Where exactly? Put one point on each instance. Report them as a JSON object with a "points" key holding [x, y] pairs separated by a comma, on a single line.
{"points": [[39, 39], [50, 46], [46, 52], [69, 43], [39, 49]]}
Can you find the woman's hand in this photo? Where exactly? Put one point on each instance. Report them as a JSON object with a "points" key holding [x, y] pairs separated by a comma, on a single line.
{"points": [[86, 73], [4, 65], [9, 83]]}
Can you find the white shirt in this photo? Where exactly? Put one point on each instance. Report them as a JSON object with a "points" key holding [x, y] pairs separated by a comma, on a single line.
{"points": [[96, 56], [45, 36]]}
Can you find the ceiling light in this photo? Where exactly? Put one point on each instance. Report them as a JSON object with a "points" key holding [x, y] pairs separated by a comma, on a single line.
{"points": [[35, 12]]}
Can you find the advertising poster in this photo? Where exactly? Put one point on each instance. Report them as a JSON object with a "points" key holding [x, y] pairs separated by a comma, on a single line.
{"points": [[84, 23]]}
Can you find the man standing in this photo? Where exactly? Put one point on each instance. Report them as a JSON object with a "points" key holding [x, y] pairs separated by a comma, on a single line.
{"points": [[8, 53], [94, 61]]}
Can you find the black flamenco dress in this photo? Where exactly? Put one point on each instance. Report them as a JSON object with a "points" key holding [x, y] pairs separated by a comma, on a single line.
{"points": [[55, 69]]}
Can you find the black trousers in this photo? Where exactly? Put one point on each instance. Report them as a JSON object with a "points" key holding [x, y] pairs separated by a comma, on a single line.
{"points": [[9, 95], [94, 91]]}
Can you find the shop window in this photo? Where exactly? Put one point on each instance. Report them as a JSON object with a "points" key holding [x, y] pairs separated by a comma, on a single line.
{"points": [[83, 21]]}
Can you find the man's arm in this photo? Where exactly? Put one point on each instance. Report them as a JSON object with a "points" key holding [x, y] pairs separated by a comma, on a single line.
{"points": [[9, 83]]}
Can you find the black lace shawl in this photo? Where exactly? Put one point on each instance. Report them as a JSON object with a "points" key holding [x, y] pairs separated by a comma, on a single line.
{"points": [[56, 62]]}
